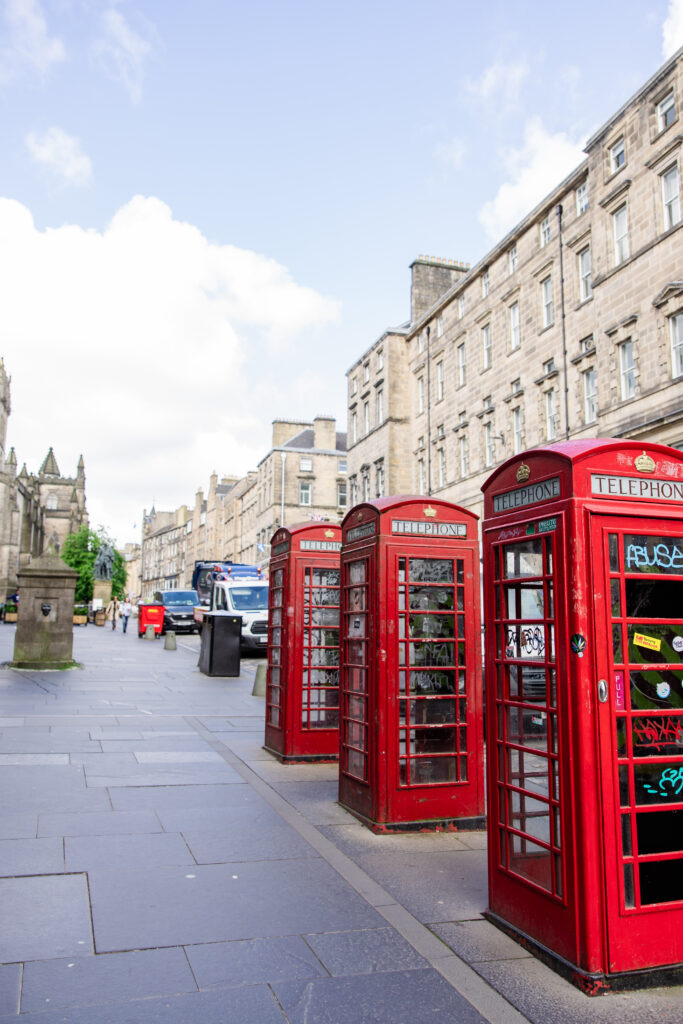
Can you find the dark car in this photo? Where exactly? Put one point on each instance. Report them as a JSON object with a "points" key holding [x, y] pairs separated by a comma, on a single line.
{"points": [[178, 610]]}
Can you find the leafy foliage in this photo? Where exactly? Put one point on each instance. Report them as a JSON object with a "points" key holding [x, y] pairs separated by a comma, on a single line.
{"points": [[80, 551]]}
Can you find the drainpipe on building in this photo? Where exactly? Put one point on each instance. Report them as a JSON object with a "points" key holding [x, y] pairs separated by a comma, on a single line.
{"points": [[429, 420], [558, 210], [282, 506]]}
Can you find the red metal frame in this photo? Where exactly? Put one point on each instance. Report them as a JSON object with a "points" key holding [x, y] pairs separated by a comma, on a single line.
{"points": [[575, 838], [411, 729], [302, 691]]}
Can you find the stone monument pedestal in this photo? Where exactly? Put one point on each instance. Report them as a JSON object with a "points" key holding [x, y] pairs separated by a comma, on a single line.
{"points": [[44, 637], [102, 589]]}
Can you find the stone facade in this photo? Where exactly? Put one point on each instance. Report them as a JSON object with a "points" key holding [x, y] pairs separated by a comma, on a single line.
{"points": [[34, 509], [572, 326], [237, 518]]}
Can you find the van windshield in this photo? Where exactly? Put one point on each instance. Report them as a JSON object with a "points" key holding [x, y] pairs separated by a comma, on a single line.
{"points": [[246, 599]]}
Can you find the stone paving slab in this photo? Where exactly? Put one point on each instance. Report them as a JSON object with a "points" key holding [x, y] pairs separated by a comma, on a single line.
{"points": [[365, 952], [253, 961], [114, 977], [31, 857], [98, 824], [248, 1005], [44, 916], [125, 852], [213, 903], [375, 999]]}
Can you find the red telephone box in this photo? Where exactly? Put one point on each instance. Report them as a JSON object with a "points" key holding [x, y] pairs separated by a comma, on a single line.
{"points": [[302, 690], [583, 570], [411, 732]]}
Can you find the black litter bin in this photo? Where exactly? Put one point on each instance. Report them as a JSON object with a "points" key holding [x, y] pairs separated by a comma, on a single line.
{"points": [[220, 651]]}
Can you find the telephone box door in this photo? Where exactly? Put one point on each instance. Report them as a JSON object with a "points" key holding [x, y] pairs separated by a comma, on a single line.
{"points": [[638, 599]]}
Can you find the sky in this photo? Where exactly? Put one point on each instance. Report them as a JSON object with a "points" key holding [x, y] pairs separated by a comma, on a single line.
{"points": [[208, 211]]}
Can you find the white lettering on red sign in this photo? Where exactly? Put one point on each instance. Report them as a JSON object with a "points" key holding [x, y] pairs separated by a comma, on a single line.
{"points": [[529, 495]]}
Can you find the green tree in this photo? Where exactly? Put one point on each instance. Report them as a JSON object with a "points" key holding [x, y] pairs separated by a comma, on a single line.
{"points": [[80, 551]]}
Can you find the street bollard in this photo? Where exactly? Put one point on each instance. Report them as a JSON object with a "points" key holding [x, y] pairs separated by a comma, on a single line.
{"points": [[149, 632], [169, 642], [259, 682]]}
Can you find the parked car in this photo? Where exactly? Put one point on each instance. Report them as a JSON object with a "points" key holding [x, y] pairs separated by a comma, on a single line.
{"points": [[178, 610]]}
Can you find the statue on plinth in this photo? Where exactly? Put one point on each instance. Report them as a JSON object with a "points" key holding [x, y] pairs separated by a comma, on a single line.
{"points": [[103, 569]]}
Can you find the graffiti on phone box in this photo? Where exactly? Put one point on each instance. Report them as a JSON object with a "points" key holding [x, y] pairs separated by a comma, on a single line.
{"points": [[670, 783], [528, 641], [658, 733], [662, 556]]}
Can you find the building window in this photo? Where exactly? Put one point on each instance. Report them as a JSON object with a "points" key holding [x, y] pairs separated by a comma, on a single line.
{"points": [[676, 328], [441, 464], [366, 417], [464, 460], [487, 402], [544, 232], [305, 464], [461, 307], [366, 486], [671, 195], [550, 414], [620, 222], [341, 493], [380, 359], [380, 481], [462, 365], [354, 427], [586, 344], [439, 380], [341, 465], [547, 301], [515, 338], [379, 398], [304, 492], [366, 372], [584, 258], [582, 198], [549, 366], [421, 484], [617, 155], [420, 394], [485, 284], [486, 346], [354, 385], [517, 440], [627, 374], [666, 112], [51, 503], [516, 386], [439, 327], [420, 342], [590, 405], [512, 259], [488, 444]]}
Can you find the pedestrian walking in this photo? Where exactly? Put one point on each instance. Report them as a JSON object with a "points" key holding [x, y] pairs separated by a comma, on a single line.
{"points": [[126, 609], [112, 612]]}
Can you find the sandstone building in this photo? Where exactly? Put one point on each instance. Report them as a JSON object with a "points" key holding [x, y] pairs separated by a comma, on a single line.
{"points": [[302, 477], [34, 508], [571, 326]]}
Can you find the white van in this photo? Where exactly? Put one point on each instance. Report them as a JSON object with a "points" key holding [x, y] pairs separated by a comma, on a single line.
{"points": [[248, 597]]}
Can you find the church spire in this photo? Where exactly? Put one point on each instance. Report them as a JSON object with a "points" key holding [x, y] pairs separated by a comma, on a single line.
{"points": [[49, 466]]}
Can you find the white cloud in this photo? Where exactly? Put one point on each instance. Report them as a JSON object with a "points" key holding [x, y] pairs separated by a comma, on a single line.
{"points": [[122, 52], [501, 82], [144, 346], [672, 29], [61, 154], [28, 45], [534, 170]]}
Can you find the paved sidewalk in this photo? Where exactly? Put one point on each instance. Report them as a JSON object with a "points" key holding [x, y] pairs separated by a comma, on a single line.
{"points": [[156, 864]]}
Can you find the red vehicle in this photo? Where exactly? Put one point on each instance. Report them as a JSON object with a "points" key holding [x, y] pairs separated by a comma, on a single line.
{"points": [[583, 583], [150, 615]]}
